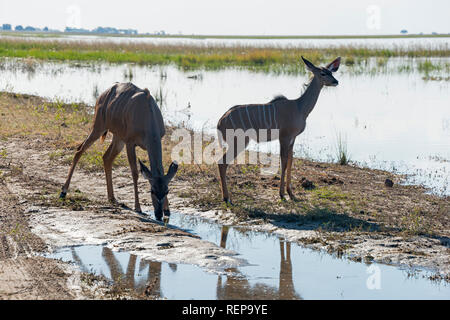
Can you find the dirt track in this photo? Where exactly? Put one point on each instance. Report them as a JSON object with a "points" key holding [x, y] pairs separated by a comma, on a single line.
{"points": [[23, 275]]}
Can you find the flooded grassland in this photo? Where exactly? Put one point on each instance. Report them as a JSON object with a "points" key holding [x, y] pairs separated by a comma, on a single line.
{"points": [[349, 234]]}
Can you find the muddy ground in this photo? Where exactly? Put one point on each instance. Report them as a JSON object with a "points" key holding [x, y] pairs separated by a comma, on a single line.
{"points": [[344, 210]]}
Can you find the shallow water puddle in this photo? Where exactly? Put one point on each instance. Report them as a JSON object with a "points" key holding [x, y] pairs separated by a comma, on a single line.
{"points": [[278, 270]]}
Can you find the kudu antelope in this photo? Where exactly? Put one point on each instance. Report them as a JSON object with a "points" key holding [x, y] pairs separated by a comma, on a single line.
{"points": [[133, 117], [286, 116]]}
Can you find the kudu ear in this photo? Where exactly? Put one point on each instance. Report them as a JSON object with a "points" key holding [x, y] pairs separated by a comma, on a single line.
{"points": [[334, 66], [145, 171], [309, 65], [172, 171]]}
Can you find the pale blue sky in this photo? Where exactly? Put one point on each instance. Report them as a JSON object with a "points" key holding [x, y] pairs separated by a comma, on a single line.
{"points": [[263, 17]]}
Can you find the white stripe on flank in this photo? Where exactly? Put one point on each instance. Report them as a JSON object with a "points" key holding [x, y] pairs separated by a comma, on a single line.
{"points": [[249, 120], [275, 117], [242, 120], [232, 122], [270, 117], [260, 116], [264, 113]]}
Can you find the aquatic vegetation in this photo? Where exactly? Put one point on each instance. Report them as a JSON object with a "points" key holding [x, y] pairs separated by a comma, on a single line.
{"points": [[269, 59], [342, 155]]}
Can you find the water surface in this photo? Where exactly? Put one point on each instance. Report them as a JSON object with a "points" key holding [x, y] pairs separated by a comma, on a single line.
{"points": [[277, 270]]}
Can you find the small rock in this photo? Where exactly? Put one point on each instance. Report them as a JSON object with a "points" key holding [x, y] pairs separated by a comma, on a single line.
{"points": [[389, 183], [32, 210], [308, 185], [163, 246]]}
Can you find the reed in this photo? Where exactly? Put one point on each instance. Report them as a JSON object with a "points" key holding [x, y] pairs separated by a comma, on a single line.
{"points": [[274, 59]]}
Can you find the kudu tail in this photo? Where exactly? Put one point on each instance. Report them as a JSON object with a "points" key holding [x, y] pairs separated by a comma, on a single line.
{"points": [[103, 137]]}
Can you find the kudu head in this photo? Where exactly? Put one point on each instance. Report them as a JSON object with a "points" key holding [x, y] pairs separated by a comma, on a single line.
{"points": [[324, 74], [159, 188]]}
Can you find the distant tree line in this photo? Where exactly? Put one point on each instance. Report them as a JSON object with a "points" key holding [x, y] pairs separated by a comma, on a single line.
{"points": [[107, 30]]}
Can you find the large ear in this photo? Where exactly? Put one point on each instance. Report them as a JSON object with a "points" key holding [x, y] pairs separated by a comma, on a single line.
{"points": [[309, 65], [172, 171], [145, 171], [334, 66]]}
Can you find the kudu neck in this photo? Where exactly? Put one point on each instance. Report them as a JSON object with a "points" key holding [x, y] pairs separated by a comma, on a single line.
{"points": [[155, 157], [308, 99]]}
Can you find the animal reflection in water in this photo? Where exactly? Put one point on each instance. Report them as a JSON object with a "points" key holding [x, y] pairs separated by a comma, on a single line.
{"points": [[234, 286], [150, 285], [238, 287]]}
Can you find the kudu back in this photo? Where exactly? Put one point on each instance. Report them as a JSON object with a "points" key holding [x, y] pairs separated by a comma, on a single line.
{"points": [[134, 118]]}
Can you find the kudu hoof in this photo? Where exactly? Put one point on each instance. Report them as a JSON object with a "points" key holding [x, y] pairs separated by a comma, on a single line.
{"points": [[166, 220], [62, 195], [158, 218], [113, 201], [228, 202]]}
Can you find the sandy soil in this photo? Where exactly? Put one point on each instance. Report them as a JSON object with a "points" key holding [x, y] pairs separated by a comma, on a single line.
{"points": [[23, 275]]}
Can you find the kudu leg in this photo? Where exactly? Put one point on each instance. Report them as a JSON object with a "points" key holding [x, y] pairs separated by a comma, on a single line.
{"points": [[113, 151], [223, 181], [284, 153], [228, 157], [131, 153], [93, 136], [289, 173]]}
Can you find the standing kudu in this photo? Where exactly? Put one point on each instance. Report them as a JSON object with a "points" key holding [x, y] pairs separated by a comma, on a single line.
{"points": [[286, 116], [133, 117]]}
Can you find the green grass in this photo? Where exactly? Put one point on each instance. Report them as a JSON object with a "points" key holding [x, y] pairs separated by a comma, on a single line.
{"points": [[271, 59], [342, 155], [428, 66]]}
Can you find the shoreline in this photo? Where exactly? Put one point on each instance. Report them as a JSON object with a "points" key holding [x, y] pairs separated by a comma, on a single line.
{"points": [[199, 36]]}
